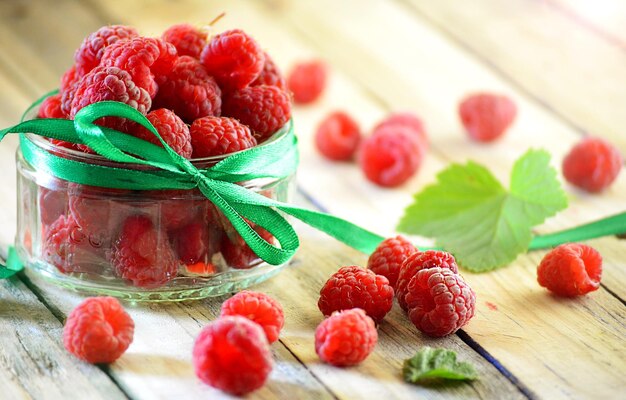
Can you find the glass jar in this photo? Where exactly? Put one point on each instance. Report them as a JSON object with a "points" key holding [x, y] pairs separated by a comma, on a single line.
{"points": [[158, 245]]}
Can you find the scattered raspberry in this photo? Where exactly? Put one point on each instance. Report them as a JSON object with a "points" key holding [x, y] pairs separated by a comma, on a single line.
{"points": [[486, 116], [52, 204], [390, 156], [439, 301], [142, 254], [265, 109], [89, 54], [238, 254], [418, 261], [257, 307], [592, 165], [571, 269], [51, 108], [171, 129], [270, 75], [388, 257], [192, 243], [98, 330], [233, 58], [65, 245], [338, 136], [109, 83], [354, 286], [213, 136], [408, 120], [345, 338], [233, 355], [189, 91], [143, 58], [307, 81], [188, 40]]}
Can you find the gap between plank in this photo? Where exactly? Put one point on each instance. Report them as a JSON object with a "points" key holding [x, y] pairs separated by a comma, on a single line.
{"points": [[464, 336]]}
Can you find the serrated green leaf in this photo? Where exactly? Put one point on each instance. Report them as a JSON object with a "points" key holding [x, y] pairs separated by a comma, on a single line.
{"points": [[428, 364], [469, 213]]}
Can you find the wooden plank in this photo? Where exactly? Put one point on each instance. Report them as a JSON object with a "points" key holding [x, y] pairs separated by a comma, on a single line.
{"points": [[573, 71], [33, 362]]}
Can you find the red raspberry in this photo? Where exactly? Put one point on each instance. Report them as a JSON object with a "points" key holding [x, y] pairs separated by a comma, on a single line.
{"points": [[390, 156], [189, 91], [345, 338], [188, 40], [265, 109], [192, 243], [571, 269], [238, 254], [214, 136], [307, 81], [257, 307], [171, 129], [417, 262], [98, 330], [233, 355], [65, 245], [177, 208], [338, 136], [142, 58], [354, 286], [142, 254], [69, 79], [486, 116], [109, 83], [52, 204], [51, 108], [439, 301], [233, 58], [388, 257], [409, 120], [90, 52], [270, 75], [592, 165]]}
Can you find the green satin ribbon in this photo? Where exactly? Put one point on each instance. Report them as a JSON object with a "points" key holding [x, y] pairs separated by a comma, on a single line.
{"points": [[158, 168]]}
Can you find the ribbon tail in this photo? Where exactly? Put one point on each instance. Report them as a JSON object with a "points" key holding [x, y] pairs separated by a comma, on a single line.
{"points": [[12, 266]]}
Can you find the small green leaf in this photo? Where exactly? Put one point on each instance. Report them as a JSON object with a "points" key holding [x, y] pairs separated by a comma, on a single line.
{"points": [[469, 213], [428, 364]]}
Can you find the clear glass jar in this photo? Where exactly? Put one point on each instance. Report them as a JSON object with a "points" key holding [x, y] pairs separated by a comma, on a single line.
{"points": [[160, 245]]}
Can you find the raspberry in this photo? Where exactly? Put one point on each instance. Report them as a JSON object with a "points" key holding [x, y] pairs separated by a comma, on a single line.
{"points": [[345, 338], [69, 79], [177, 208], [307, 81], [88, 55], [439, 301], [142, 58], [191, 243], [171, 129], [592, 165], [388, 257], [257, 307], [265, 109], [98, 330], [201, 268], [51, 108], [409, 120], [214, 136], [571, 269], [338, 136], [354, 286], [390, 156], [270, 75], [233, 355], [109, 83], [486, 116], [142, 254], [418, 261], [189, 91], [233, 58], [188, 40], [65, 245], [238, 254], [52, 204]]}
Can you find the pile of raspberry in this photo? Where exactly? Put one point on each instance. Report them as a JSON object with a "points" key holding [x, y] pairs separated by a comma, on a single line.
{"points": [[206, 95]]}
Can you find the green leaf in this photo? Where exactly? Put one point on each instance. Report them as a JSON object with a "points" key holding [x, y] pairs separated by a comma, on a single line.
{"points": [[470, 214], [429, 364]]}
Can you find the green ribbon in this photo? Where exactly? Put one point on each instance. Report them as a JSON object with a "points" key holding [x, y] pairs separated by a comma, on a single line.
{"points": [[159, 168]]}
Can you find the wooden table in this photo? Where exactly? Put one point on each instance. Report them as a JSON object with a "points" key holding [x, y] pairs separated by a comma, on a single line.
{"points": [[563, 62]]}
